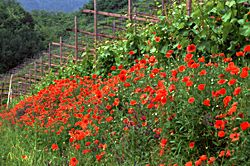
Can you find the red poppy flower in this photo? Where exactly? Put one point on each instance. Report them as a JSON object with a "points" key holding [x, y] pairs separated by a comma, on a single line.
{"points": [[191, 100], [131, 52], [198, 162], [113, 68], [201, 59], [244, 73], [157, 39], [226, 100], [222, 153], [189, 163], [234, 137], [206, 102], [231, 82], [221, 134], [244, 126], [163, 142], [222, 81], [24, 157], [203, 157], [182, 68], [179, 47], [237, 91], [54, 147], [211, 160], [73, 161], [191, 145], [240, 53], [247, 48], [219, 124], [191, 48], [189, 83], [122, 77], [203, 72], [201, 87]]}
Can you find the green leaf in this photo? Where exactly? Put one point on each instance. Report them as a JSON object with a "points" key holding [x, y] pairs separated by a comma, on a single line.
{"points": [[245, 31], [226, 16], [230, 3]]}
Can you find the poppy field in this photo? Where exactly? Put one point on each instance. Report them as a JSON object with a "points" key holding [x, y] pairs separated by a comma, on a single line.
{"points": [[174, 93], [191, 112]]}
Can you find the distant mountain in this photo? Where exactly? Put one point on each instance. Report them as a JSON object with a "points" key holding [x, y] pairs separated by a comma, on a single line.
{"points": [[53, 5]]}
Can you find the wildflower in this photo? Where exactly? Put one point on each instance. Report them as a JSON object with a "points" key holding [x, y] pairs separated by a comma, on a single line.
{"points": [[163, 142], [157, 39], [206, 102], [203, 157], [244, 73], [202, 72], [113, 68], [219, 124], [247, 48], [201, 87], [54, 147], [191, 145], [122, 77], [228, 153], [198, 162], [240, 53], [161, 152], [221, 134], [231, 82], [244, 126], [131, 52], [237, 91], [201, 59], [24, 157], [179, 47], [234, 136], [211, 160], [85, 151], [182, 68], [222, 153], [189, 163], [191, 48], [73, 161], [226, 100], [191, 100]]}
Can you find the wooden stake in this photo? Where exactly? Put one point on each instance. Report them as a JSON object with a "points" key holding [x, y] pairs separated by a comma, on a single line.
{"points": [[1, 96], [130, 9], [35, 71], [10, 91], [189, 7], [49, 57], [95, 21], [61, 51], [95, 28], [76, 39]]}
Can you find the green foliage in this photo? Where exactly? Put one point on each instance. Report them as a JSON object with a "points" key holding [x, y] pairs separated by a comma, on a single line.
{"points": [[18, 40]]}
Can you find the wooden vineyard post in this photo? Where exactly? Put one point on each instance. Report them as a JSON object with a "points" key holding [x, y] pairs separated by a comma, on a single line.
{"points": [[1, 96], [41, 65], [189, 7], [113, 27], [163, 7], [10, 91], [95, 28], [30, 77], [35, 71], [130, 9], [49, 57], [60, 51], [76, 39]]}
